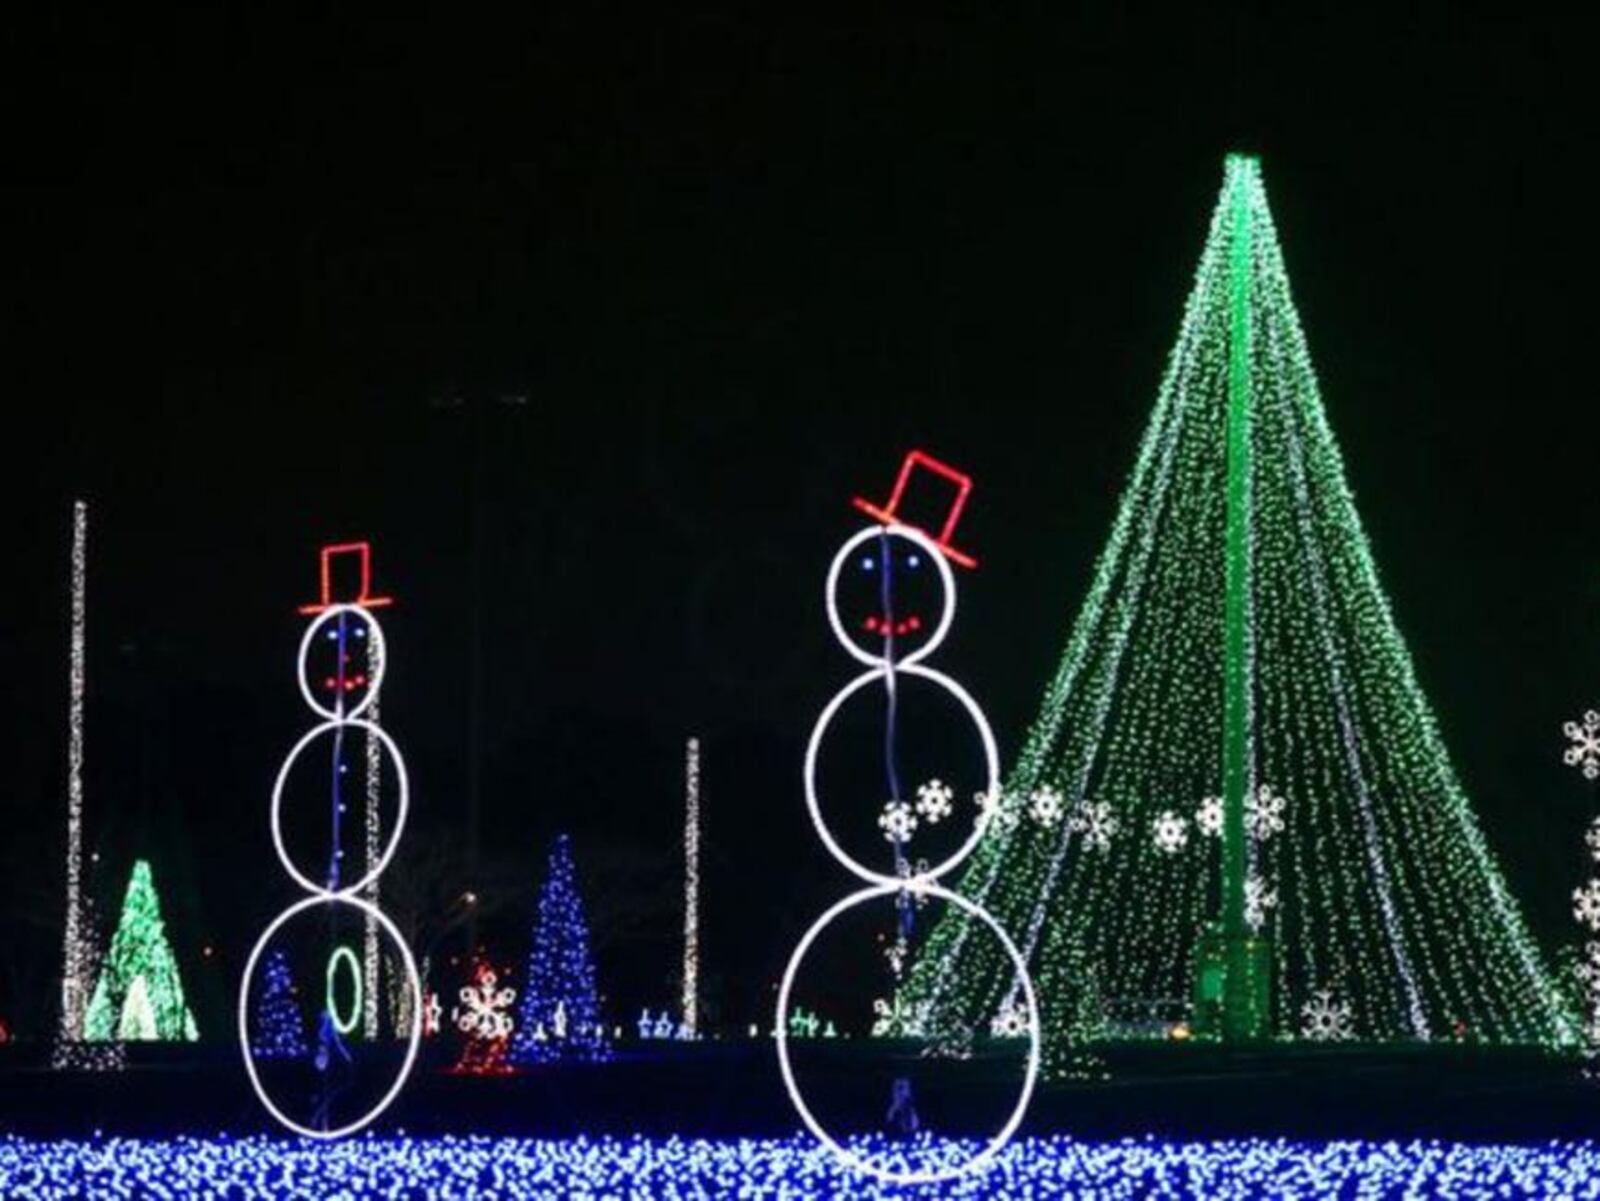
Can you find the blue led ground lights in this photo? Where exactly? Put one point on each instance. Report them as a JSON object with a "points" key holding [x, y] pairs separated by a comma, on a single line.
{"points": [[789, 1168]]}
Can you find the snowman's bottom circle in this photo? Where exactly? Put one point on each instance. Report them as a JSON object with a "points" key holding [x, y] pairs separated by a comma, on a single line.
{"points": [[997, 1142], [413, 1036]]}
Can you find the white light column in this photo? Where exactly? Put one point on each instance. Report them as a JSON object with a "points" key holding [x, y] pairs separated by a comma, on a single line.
{"points": [[74, 988], [374, 832], [691, 887]]}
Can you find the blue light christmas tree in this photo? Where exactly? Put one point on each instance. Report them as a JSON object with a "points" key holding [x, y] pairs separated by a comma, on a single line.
{"points": [[279, 1027], [560, 1014]]}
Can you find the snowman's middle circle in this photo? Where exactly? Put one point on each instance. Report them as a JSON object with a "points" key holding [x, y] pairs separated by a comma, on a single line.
{"points": [[991, 756], [396, 827]]}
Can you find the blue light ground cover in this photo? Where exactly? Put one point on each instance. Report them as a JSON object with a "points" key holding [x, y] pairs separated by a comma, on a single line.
{"points": [[463, 1167]]}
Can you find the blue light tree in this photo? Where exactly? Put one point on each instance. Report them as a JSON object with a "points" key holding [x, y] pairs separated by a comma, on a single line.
{"points": [[559, 1018], [278, 1029]]}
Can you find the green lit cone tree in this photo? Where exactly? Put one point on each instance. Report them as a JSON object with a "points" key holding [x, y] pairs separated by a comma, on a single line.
{"points": [[1257, 803], [139, 995]]}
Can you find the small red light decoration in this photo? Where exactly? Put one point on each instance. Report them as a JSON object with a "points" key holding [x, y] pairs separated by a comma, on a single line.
{"points": [[888, 514], [485, 1021], [366, 601], [907, 625]]}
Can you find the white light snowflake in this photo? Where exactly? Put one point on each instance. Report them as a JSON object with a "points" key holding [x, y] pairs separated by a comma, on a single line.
{"points": [[1258, 898], [1001, 811], [485, 1015], [908, 870], [1592, 837], [896, 953], [1045, 806], [1209, 816], [1589, 969], [1323, 1019], [1010, 1022], [1584, 753], [1095, 821], [899, 1020], [934, 801], [897, 821], [1171, 832], [1263, 813], [1586, 904]]}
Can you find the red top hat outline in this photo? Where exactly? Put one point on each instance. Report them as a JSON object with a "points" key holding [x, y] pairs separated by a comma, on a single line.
{"points": [[364, 549], [887, 513]]}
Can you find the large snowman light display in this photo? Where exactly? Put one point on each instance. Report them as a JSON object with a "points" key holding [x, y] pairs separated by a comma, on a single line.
{"points": [[891, 641], [339, 695]]}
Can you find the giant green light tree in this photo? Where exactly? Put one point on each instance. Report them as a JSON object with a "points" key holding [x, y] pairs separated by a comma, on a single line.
{"points": [[1264, 825]]}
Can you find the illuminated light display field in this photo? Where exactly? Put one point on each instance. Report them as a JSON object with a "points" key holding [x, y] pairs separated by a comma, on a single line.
{"points": [[399, 1166]]}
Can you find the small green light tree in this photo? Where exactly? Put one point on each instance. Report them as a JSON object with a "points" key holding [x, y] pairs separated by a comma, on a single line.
{"points": [[139, 995]]}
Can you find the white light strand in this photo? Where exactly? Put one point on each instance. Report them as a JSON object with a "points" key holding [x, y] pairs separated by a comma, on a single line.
{"points": [[1350, 739], [374, 831], [691, 887], [79, 960], [74, 988]]}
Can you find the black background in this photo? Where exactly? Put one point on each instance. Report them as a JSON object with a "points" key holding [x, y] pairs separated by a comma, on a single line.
{"points": [[736, 266]]}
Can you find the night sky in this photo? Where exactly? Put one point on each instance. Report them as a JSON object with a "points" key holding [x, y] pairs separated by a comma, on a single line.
{"points": [[268, 286]]}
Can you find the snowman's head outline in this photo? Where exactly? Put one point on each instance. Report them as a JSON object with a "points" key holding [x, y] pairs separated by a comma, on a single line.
{"points": [[380, 654], [831, 594]]}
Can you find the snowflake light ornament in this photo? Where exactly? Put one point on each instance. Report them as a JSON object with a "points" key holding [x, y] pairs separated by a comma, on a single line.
{"points": [[999, 810], [1588, 970], [1584, 753], [897, 821], [1209, 816], [1263, 813], [1258, 898], [1045, 806], [484, 1018], [1592, 837], [484, 1010], [1586, 904], [1323, 1019], [896, 953], [934, 801], [907, 870], [898, 1020], [1171, 832], [1095, 821]]}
